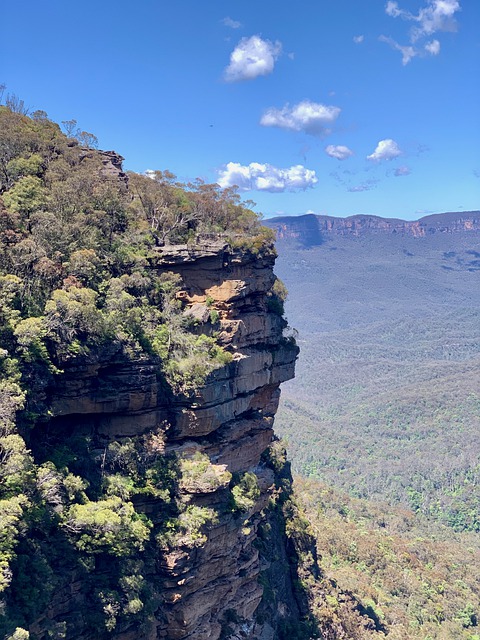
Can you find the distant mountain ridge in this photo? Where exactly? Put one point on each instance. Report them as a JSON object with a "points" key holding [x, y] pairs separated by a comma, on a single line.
{"points": [[310, 229], [388, 377]]}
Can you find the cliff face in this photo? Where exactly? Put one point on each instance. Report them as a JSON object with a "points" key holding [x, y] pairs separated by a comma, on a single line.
{"points": [[204, 582], [310, 229]]}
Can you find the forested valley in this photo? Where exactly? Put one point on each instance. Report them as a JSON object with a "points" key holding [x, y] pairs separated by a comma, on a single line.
{"points": [[382, 421]]}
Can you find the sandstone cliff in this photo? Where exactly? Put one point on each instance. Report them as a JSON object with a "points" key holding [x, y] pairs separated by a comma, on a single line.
{"points": [[311, 230], [206, 581]]}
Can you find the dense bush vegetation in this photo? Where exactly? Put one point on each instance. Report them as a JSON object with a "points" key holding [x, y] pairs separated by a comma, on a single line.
{"points": [[389, 573]]}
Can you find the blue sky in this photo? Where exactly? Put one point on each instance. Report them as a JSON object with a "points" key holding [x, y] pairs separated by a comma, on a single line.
{"points": [[337, 107]]}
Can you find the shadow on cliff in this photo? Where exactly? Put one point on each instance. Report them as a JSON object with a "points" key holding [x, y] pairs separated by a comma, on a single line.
{"points": [[286, 541], [302, 232]]}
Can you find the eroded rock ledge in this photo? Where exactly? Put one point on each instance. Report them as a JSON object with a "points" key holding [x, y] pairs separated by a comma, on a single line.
{"points": [[209, 587]]}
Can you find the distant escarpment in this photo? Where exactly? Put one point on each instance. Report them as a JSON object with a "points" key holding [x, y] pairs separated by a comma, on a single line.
{"points": [[311, 230]]}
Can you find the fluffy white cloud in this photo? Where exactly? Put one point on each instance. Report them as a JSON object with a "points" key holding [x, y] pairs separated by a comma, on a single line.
{"points": [[437, 15], [433, 47], [233, 24], [386, 150], [265, 177], [338, 151], [252, 57], [311, 117], [402, 171], [358, 39]]}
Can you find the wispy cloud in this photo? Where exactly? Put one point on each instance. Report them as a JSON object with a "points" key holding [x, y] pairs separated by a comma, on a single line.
{"points": [[408, 52], [368, 185], [358, 39], [436, 16], [233, 24], [421, 148], [266, 177], [310, 117], [251, 58], [385, 150], [338, 151], [402, 171]]}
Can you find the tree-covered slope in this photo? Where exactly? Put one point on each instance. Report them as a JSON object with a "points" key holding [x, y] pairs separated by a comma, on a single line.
{"points": [[387, 572], [386, 399]]}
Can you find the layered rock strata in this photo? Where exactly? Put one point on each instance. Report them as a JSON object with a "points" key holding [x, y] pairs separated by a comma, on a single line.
{"points": [[312, 229], [207, 587]]}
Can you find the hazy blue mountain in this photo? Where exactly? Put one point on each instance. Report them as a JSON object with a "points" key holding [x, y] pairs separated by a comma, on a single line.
{"points": [[386, 402]]}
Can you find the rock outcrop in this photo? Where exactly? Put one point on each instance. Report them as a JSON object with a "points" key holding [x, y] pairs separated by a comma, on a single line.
{"points": [[207, 583]]}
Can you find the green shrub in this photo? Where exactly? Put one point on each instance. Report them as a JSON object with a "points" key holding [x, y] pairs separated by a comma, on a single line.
{"points": [[245, 493], [276, 297], [109, 526], [199, 473], [187, 529], [11, 526]]}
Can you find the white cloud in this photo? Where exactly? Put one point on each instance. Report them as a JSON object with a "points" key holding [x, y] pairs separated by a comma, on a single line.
{"points": [[408, 52], [150, 173], [386, 150], [391, 9], [307, 116], [437, 15], [252, 57], [266, 177], [402, 171], [338, 151], [358, 39], [433, 47], [233, 24]]}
